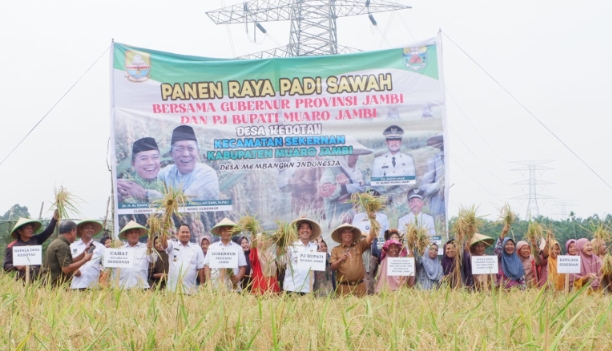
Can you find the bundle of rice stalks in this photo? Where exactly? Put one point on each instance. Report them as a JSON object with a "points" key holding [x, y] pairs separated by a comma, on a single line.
{"points": [[550, 237], [247, 223], [169, 205], [371, 205], [154, 223], [284, 236], [417, 237], [606, 268], [467, 224], [534, 232], [601, 234], [507, 216], [64, 202]]}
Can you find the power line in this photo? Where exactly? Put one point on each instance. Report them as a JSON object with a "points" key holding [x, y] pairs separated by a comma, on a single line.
{"points": [[54, 105], [528, 111]]}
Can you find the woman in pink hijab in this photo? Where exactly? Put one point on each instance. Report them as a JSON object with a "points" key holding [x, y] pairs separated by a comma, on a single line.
{"points": [[530, 263], [590, 265]]}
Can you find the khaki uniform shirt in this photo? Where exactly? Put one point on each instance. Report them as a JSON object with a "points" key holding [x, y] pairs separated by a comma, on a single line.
{"points": [[58, 256], [352, 269]]}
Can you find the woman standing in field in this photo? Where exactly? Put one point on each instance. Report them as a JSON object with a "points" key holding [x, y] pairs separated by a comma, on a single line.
{"points": [[429, 268], [532, 264], [391, 248], [263, 266], [324, 281], [590, 266], [448, 264], [570, 249], [246, 248], [477, 247], [511, 272], [555, 280]]}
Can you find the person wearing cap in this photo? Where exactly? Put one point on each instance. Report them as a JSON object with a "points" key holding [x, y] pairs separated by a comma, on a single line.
{"points": [[88, 275], [59, 263], [136, 276], [416, 217], [347, 259], [432, 183], [338, 184], [146, 164], [393, 163], [198, 180], [186, 261], [228, 277], [23, 233], [300, 281]]}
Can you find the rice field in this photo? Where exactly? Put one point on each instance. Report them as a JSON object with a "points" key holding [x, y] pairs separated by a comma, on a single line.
{"points": [[38, 318]]}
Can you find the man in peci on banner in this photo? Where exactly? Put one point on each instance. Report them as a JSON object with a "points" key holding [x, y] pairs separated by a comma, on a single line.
{"points": [[416, 217], [143, 185], [393, 163]]}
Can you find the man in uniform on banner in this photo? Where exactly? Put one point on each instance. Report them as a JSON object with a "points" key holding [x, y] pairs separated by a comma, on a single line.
{"points": [[393, 163], [146, 165], [433, 179], [416, 217], [300, 281], [186, 261], [136, 276], [89, 274], [228, 277], [198, 180]]}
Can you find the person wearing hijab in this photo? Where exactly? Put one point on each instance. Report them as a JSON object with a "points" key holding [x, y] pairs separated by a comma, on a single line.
{"points": [[429, 268], [555, 280], [532, 264], [392, 248], [590, 266], [448, 264], [570, 249], [246, 247], [263, 266], [324, 281], [511, 271], [158, 270]]}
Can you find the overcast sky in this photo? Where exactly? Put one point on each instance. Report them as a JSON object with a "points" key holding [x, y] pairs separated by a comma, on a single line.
{"points": [[553, 56]]}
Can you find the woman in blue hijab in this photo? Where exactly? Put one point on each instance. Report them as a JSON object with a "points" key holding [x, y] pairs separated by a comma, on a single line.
{"points": [[511, 271]]}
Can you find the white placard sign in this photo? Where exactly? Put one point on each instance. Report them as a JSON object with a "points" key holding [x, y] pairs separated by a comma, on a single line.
{"points": [[27, 255], [220, 257], [118, 258], [568, 264], [314, 261], [485, 264], [400, 266]]}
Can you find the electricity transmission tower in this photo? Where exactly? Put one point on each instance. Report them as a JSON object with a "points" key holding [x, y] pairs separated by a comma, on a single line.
{"points": [[532, 183], [313, 22]]}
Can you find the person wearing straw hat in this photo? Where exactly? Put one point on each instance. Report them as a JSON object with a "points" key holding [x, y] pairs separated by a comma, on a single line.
{"points": [[89, 274], [347, 259], [186, 261], [59, 262], [416, 217], [136, 276], [300, 281], [477, 247], [432, 182], [228, 277], [23, 233], [393, 163], [338, 184], [146, 165]]}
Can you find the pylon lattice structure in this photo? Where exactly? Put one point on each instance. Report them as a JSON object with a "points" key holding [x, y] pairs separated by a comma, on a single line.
{"points": [[532, 183], [313, 22]]}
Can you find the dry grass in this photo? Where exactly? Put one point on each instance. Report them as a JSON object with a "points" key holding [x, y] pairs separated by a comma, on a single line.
{"points": [[606, 267], [534, 232], [169, 205], [507, 216], [371, 205], [247, 224], [65, 203], [417, 237], [467, 224], [39, 319]]}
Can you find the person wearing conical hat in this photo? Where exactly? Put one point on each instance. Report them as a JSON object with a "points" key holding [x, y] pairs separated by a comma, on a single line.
{"points": [[432, 183], [393, 163], [89, 274], [136, 276], [338, 184], [416, 216], [225, 277], [186, 261], [347, 259], [300, 281], [23, 233], [476, 247]]}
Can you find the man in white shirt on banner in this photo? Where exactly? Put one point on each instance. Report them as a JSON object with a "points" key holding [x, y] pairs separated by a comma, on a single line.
{"points": [[227, 277], [300, 281], [393, 163], [416, 217], [88, 275], [136, 276], [186, 261]]}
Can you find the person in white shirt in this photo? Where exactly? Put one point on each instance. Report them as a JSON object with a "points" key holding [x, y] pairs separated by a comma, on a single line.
{"points": [[88, 275], [186, 261], [300, 281], [224, 277], [136, 276], [416, 217]]}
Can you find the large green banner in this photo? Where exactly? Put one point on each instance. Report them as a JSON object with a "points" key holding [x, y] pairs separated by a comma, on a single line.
{"points": [[280, 138]]}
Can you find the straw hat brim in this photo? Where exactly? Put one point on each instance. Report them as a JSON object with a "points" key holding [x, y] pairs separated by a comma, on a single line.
{"points": [[316, 228], [487, 240], [132, 225], [225, 222], [23, 221], [336, 233], [97, 226]]}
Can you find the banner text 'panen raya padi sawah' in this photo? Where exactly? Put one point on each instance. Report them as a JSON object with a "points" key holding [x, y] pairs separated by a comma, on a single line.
{"points": [[281, 138]]}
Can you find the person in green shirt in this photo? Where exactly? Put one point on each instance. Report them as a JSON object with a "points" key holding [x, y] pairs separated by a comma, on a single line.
{"points": [[59, 263], [143, 185]]}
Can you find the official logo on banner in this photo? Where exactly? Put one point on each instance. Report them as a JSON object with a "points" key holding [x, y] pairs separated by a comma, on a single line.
{"points": [[415, 58], [137, 66]]}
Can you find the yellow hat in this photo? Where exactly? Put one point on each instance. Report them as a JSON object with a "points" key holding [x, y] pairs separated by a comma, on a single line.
{"points": [[23, 221], [225, 222], [316, 228], [336, 233], [132, 225], [487, 240], [97, 226]]}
